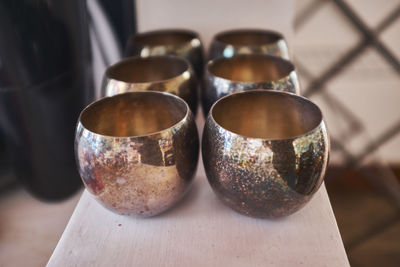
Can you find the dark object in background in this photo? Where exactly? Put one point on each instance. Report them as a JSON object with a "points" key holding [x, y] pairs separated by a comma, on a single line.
{"points": [[121, 15], [7, 177], [45, 81]]}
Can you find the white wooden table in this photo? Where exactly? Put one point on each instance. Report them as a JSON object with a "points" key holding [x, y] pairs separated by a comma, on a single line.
{"points": [[200, 231]]}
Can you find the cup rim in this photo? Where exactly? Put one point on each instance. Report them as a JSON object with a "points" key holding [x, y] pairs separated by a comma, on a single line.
{"points": [[132, 59], [275, 34], [103, 99], [160, 32], [268, 91], [275, 59]]}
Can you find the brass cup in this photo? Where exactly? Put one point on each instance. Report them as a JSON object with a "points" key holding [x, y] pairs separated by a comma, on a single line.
{"points": [[169, 74], [265, 152], [225, 76], [178, 42], [248, 41], [137, 152]]}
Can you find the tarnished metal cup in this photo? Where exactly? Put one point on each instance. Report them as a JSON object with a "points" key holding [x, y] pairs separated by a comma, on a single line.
{"points": [[182, 43], [137, 152], [248, 41], [265, 152], [169, 74], [247, 72]]}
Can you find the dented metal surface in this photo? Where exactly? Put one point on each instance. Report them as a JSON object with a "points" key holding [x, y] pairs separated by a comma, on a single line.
{"points": [[224, 76], [177, 42], [265, 177], [169, 74], [248, 41], [143, 174]]}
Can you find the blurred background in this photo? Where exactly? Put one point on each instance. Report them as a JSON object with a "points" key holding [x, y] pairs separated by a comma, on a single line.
{"points": [[347, 54]]}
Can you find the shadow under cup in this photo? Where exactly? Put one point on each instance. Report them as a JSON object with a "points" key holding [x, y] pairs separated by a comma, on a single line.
{"points": [[137, 152], [265, 152]]}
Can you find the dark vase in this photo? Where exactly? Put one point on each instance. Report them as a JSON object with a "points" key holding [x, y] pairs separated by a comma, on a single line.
{"points": [[45, 81]]}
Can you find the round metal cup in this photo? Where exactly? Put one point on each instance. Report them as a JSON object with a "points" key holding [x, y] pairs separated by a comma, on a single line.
{"points": [[169, 74], [248, 41], [225, 76], [137, 152], [178, 42], [265, 152]]}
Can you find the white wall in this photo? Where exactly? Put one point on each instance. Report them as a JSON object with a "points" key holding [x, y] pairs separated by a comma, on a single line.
{"points": [[369, 87], [209, 17]]}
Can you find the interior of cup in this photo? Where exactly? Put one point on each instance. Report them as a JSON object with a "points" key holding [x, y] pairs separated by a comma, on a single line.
{"points": [[251, 68], [150, 69], [248, 37], [267, 114], [165, 37], [133, 114]]}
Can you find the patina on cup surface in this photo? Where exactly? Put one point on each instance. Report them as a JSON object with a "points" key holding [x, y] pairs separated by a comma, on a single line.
{"points": [[178, 42], [169, 74], [265, 152], [137, 152], [247, 72], [248, 41]]}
